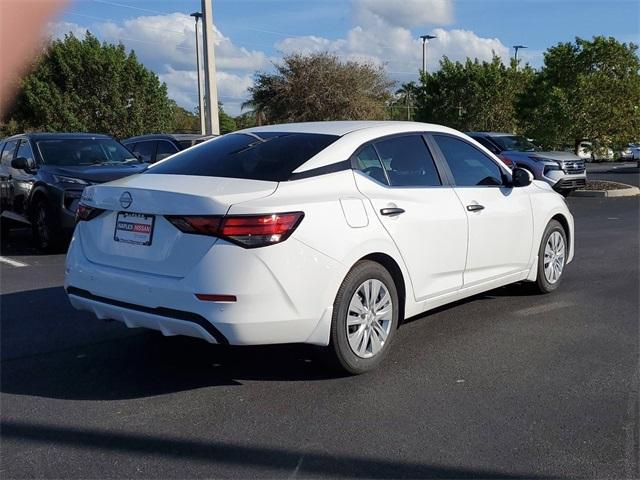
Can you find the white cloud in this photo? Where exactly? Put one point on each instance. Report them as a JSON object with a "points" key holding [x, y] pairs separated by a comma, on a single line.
{"points": [[406, 13], [60, 29], [166, 45], [182, 86]]}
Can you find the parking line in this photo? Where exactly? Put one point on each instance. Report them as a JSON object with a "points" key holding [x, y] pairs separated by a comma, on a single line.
{"points": [[13, 263]]}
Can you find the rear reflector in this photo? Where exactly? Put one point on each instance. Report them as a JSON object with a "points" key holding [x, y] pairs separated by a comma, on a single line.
{"points": [[248, 231], [205, 297]]}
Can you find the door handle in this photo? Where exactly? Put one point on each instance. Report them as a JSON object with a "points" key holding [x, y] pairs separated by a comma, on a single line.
{"points": [[391, 211], [475, 207]]}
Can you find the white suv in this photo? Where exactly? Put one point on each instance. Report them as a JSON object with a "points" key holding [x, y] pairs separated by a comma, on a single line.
{"points": [[322, 233]]}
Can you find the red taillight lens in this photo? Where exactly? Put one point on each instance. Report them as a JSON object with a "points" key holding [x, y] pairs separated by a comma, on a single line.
{"points": [[204, 225], [248, 231], [86, 213], [507, 161]]}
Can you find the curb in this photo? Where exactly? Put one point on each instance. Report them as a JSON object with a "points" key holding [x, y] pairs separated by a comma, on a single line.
{"points": [[631, 191]]}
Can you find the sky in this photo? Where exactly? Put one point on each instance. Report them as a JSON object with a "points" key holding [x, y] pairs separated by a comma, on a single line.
{"points": [[253, 34]]}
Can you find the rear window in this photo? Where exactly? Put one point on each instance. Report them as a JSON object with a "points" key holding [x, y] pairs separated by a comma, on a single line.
{"points": [[268, 156]]}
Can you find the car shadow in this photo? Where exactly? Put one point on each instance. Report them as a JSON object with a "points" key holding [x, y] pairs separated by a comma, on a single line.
{"points": [[51, 350], [20, 243], [277, 462], [520, 289]]}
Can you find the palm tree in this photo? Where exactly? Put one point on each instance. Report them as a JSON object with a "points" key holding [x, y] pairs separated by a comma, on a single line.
{"points": [[408, 92]]}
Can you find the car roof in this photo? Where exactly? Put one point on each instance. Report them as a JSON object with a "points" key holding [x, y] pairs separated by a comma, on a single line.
{"points": [[490, 134], [343, 127], [58, 136], [352, 135], [165, 136]]}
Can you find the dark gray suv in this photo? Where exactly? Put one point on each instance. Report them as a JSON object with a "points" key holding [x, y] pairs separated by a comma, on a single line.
{"points": [[564, 171]]}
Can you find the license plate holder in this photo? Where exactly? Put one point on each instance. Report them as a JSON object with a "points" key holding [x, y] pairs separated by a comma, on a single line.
{"points": [[134, 228]]}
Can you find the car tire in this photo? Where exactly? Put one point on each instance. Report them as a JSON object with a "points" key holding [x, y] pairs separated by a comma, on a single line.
{"points": [[360, 342], [552, 257], [45, 233]]}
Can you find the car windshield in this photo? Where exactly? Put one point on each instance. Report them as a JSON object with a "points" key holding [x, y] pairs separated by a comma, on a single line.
{"points": [[515, 142], [268, 156], [84, 151]]}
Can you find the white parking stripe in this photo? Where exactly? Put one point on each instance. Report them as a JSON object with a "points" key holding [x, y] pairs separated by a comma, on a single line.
{"points": [[13, 263]]}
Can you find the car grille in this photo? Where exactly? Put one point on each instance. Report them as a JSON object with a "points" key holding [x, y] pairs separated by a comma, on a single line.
{"points": [[573, 167]]}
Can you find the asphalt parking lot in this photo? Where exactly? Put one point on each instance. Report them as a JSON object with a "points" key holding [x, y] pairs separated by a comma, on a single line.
{"points": [[506, 384]]}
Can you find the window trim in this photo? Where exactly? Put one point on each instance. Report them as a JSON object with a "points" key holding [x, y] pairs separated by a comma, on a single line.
{"points": [[506, 176], [442, 173], [15, 148], [158, 140]]}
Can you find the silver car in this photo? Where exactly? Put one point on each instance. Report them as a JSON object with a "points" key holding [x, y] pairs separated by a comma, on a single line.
{"points": [[564, 171]]}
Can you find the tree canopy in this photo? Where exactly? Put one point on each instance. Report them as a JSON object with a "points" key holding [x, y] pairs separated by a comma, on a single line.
{"points": [[587, 89], [83, 85], [317, 87], [473, 95]]}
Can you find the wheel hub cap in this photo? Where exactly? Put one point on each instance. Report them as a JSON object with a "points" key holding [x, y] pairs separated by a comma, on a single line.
{"points": [[369, 318], [554, 257]]}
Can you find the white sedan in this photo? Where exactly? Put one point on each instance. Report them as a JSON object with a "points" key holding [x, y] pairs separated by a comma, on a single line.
{"points": [[326, 233]]}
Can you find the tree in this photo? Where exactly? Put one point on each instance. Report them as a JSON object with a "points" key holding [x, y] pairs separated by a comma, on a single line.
{"points": [[402, 104], [227, 122], [585, 90], [473, 95], [319, 87], [182, 120], [85, 86]]}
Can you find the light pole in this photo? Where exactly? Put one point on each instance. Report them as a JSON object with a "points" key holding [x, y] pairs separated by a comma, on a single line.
{"points": [[211, 91], [425, 40], [198, 16], [516, 48]]}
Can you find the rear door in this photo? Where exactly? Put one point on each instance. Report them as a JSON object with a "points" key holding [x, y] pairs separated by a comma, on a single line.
{"points": [[422, 214], [500, 217]]}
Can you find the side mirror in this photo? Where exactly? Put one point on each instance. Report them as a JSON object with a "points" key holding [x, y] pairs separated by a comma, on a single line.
{"points": [[520, 177], [20, 163]]}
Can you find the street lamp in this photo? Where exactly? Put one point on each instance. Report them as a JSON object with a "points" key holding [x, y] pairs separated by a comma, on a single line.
{"points": [[425, 40], [198, 16], [518, 47]]}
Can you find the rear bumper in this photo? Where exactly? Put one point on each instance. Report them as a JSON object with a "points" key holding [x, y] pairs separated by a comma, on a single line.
{"points": [[284, 292]]}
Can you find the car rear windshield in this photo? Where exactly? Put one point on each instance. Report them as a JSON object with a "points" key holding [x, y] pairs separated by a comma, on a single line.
{"points": [[84, 151], [515, 143], [268, 156]]}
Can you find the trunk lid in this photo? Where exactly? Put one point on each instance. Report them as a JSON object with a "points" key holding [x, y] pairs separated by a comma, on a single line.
{"points": [[170, 252]]}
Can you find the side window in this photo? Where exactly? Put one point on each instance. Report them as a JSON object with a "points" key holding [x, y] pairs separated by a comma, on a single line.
{"points": [[24, 150], [367, 162], [469, 166], [165, 149], [487, 144], [408, 162], [146, 150], [7, 152]]}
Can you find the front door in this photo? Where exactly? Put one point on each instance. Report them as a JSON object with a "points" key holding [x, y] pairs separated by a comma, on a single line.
{"points": [[500, 217], [424, 218]]}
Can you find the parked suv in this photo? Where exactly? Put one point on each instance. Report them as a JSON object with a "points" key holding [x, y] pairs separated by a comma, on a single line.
{"points": [[42, 176], [156, 147], [564, 171]]}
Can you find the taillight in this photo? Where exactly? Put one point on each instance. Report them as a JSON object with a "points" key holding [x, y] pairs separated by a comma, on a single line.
{"points": [[507, 161], [248, 231], [86, 213]]}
